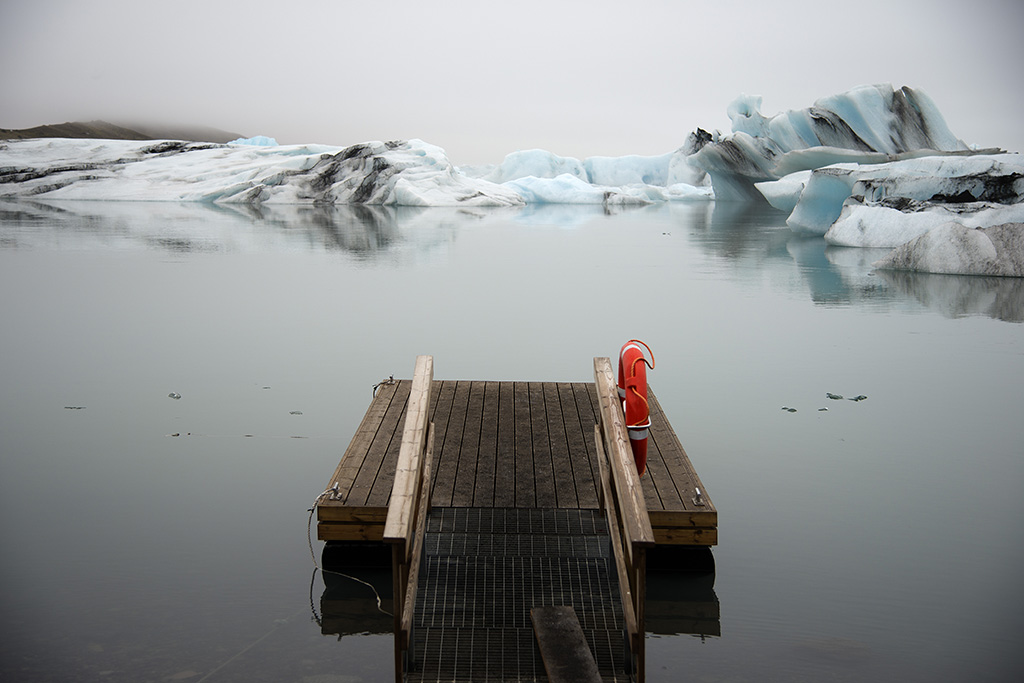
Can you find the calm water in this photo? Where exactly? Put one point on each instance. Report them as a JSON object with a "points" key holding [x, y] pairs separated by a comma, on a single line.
{"points": [[878, 540]]}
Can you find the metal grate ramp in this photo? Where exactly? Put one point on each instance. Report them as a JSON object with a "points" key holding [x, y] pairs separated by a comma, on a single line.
{"points": [[484, 569]]}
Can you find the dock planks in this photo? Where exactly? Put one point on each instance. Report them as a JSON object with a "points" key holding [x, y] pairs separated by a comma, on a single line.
{"points": [[509, 445]]}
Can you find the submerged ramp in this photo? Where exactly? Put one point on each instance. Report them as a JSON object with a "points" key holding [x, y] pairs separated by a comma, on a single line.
{"points": [[484, 570]]}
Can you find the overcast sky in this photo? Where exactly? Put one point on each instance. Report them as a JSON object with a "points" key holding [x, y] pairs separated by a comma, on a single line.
{"points": [[482, 78]]}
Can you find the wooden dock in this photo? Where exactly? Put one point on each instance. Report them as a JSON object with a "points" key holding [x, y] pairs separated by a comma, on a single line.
{"points": [[509, 444], [506, 503]]}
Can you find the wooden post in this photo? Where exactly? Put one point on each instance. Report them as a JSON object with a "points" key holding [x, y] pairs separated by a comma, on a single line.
{"points": [[629, 522], [403, 520]]}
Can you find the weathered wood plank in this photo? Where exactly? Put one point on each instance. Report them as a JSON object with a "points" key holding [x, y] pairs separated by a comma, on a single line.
{"points": [[695, 517], [359, 473], [526, 494], [422, 508], [563, 647], [577, 434], [686, 536], [483, 493], [441, 416], [505, 464], [368, 428], [377, 463], [580, 421], [471, 457], [544, 477], [562, 455], [448, 461], [336, 531], [618, 551], [659, 490], [635, 521], [408, 474], [678, 465], [362, 515]]}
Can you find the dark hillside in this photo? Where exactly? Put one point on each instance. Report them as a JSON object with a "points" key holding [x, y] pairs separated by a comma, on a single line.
{"points": [[109, 131]]}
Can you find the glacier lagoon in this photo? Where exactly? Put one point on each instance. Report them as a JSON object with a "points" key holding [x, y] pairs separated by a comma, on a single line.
{"points": [[149, 537]]}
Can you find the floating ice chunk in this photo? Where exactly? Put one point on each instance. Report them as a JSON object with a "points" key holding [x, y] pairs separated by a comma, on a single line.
{"points": [[255, 141], [536, 163], [681, 192], [907, 187], [563, 189], [629, 170], [955, 249], [877, 225]]}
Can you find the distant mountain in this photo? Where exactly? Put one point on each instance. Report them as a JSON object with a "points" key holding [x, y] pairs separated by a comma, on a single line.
{"points": [[109, 131]]}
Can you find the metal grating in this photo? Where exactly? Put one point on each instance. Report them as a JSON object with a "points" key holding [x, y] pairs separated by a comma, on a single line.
{"points": [[482, 572]]}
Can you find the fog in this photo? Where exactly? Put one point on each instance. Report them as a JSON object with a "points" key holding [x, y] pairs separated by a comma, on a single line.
{"points": [[484, 79]]}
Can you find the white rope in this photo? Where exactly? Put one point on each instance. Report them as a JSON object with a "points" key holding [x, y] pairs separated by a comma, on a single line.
{"points": [[309, 537]]}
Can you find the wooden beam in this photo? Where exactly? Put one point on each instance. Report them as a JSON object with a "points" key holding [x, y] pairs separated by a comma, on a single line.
{"points": [[676, 536], [398, 528], [563, 647], [625, 585], [333, 511], [339, 531], [409, 600], [635, 520]]}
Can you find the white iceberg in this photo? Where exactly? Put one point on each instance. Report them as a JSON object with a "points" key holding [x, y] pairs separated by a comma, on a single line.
{"points": [[536, 163], [863, 205], [662, 170], [868, 123], [409, 172], [256, 141], [878, 225], [958, 250]]}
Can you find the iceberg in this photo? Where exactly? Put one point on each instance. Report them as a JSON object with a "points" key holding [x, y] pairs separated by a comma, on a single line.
{"points": [[880, 205], [869, 123], [536, 163], [258, 141], [955, 249], [409, 172]]}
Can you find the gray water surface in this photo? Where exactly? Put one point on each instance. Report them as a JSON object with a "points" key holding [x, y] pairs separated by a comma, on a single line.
{"points": [[152, 538]]}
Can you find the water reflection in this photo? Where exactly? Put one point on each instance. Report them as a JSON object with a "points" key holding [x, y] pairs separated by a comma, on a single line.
{"points": [[956, 296], [750, 240], [362, 231], [681, 598], [349, 607], [681, 604]]}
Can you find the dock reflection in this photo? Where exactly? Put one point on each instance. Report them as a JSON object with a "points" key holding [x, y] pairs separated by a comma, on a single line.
{"points": [[681, 598]]}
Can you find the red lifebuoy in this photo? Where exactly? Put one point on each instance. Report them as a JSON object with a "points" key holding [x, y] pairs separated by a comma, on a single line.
{"points": [[633, 393]]}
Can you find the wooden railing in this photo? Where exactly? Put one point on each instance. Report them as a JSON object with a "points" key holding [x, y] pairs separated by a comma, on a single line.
{"points": [[407, 510], [623, 501]]}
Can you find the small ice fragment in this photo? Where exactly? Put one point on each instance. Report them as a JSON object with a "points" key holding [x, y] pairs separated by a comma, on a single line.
{"points": [[822, 410], [175, 395], [861, 397], [295, 412], [834, 397]]}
